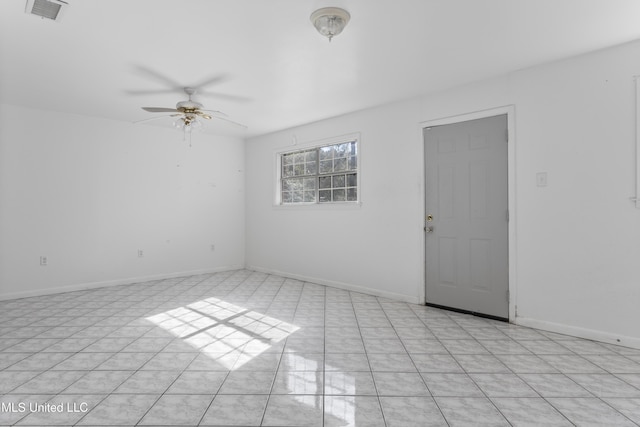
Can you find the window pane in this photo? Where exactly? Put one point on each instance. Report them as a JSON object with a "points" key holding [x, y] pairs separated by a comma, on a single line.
{"points": [[326, 153], [325, 182], [310, 184], [353, 163], [341, 150], [287, 159], [309, 196], [338, 181], [340, 165], [326, 166], [339, 195], [310, 168], [287, 197], [324, 195], [311, 156], [287, 171], [352, 180], [352, 195]]}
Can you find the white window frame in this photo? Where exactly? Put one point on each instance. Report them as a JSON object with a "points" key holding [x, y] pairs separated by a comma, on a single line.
{"points": [[278, 202]]}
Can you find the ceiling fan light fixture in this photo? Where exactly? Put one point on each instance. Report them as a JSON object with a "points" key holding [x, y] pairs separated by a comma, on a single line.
{"points": [[330, 21]]}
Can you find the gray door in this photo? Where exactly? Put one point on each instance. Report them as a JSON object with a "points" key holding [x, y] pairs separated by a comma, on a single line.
{"points": [[467, 217]]}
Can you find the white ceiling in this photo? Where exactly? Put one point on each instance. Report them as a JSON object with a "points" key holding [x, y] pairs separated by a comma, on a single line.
{"points": [[274, 68]]}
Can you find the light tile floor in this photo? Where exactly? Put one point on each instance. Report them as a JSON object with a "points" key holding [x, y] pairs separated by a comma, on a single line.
{"points": [[246, 348]]}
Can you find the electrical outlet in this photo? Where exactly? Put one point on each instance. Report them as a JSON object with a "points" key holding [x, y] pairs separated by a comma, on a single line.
{"points": [[140, 253], [43, 260]]}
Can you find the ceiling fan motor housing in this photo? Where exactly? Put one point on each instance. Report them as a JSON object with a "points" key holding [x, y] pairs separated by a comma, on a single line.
{"points": [[188, 105]]}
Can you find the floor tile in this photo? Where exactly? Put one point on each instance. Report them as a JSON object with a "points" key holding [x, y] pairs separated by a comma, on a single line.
{"points": [[435, 363], [294, 410], [177, 410], [526, 364], [628, 407], [49, 382], [298, 382], [38, 361], [346, 362], [614, 363], [571, 364], [148, 382], [464, 347], [555, 385], [235, 410], [343, 411], [400, 384], [503, 385], [470, 411], [349, 383], [479, 363], [407, 411], [590, 412], [605, 385], [169, 362], [119, 409], [530, 412], [504, 346], [451, 385], [98, 382], [8, 359], [82, 362], [125, 361], [391, 362], [432, 346], [301, 361], [247, 382], [633, 379], [197, 382]]}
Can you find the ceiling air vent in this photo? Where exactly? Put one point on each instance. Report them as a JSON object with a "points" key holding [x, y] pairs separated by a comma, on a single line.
{"points": [[50, 9]]}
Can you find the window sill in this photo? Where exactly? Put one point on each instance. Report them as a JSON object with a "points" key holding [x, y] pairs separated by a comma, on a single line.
{"points": [[319, 206]]}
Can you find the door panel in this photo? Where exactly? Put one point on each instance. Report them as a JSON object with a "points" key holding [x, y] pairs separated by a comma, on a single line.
{"points": [[467, 197]]}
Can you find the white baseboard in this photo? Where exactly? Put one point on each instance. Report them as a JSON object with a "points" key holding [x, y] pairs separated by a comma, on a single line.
{"points": [[339, 285], [116, 282], [576, 331]]}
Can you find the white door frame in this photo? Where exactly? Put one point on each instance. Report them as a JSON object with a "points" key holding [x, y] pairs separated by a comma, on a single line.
{"points": [[509, 110]]}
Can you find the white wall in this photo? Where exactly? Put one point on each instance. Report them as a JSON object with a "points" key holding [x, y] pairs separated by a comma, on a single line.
{"points": [[577, 240], [88, 193]]}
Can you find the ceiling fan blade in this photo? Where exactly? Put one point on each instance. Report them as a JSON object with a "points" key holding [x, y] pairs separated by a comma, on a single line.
{"points": [[160, 110], [201, 114], [152, 118], [231, 121], [235, 98], [149, 92], [216, 112], [166, 81], [211, 80]]}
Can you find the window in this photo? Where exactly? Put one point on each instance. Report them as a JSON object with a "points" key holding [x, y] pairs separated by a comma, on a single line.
{"points": [[324, 174]]}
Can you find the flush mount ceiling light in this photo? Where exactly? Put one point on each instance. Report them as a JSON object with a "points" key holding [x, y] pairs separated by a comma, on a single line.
{"points": [[330, 21]]}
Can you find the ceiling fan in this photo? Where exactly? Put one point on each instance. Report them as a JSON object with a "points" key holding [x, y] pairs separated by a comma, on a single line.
{"points": [[188, 113]]}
